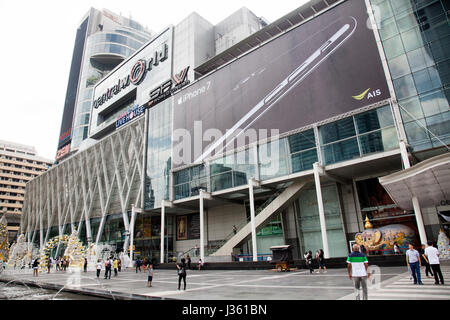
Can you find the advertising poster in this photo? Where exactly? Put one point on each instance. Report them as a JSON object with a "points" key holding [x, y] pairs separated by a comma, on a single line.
{"points": [[326, 67]]}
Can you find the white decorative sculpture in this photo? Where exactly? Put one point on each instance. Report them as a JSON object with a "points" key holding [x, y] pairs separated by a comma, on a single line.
{"points": [[443, 246], [18, 252], [75, 251]]}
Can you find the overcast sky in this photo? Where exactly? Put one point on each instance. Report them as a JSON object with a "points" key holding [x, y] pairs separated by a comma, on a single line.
{"points": [[37, 39]]}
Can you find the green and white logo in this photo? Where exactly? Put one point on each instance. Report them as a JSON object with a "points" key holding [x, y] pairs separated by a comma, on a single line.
{"points": [[369, 95]]}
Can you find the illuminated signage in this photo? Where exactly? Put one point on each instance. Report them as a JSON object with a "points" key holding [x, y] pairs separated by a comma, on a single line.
{"points": [[63, 151], [168, 88], [65, 135], [129, 115], [136, 76]]}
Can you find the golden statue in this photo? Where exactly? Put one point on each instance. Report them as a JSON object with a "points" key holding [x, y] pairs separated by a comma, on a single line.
{"points": [[75, 250], [4, 244], [368, 225]]}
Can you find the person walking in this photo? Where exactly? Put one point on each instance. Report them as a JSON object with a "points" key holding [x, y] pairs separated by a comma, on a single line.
{"points": [[433, 257], [99, 267], [396, 248], [182, 273], [413, 261], [363, 250], [108, 265], [149, 275], [119, 264], [144, 264], [36, 267], [321, 261], [188, 260], [200, 264], [85, 265], [116, 266], [357, 266], [308, 258], [49, 264], [425, 262], [138, 265]]}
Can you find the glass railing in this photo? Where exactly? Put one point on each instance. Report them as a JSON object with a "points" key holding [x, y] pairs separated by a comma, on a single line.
{"points": [[219, 244]]}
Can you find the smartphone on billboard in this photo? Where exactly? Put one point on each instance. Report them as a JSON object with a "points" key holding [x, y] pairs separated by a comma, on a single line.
{"points": [[340, 31]]}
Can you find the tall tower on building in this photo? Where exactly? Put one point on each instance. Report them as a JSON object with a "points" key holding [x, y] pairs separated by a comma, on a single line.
{"points": [[18, 165], [103, 40]]}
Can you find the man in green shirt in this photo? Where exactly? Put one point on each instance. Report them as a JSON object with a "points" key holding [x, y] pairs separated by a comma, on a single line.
{"points": [[357, 266]]}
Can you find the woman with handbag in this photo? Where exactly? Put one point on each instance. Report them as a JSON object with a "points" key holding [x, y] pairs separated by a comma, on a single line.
{"points": [[182, 273]]}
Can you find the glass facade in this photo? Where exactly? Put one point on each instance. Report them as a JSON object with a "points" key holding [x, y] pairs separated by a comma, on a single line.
{"points": [[310, 235], [159, 149], [232, 170], [189, 182], [359, 135], [353, 137], [147, 237], [104, 51], [416, 39]]}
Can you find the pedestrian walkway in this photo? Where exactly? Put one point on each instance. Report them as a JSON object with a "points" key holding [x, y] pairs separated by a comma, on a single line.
{"points": [[402, 288], [203, 285]]}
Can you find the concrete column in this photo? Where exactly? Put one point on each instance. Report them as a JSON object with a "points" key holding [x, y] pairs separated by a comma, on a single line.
{"points": [[163, 218], [415, 201], [252, 219], [88, 230], [126, 224], [41, 239], [100, 229], [419, 220], [133, 218], [323, 226], [404, 154], [202, 227]]}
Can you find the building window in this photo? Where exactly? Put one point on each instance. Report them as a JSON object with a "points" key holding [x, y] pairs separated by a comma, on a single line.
{"points": [[359, 135], [420, 30], [309, 223], [232, 170], [188, 182]]}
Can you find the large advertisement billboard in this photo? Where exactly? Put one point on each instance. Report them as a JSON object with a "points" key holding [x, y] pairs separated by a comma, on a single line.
{"points": [[326, 67]]}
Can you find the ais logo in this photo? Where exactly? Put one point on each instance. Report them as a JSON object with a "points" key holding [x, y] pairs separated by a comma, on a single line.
{"points": [[368, 94]]}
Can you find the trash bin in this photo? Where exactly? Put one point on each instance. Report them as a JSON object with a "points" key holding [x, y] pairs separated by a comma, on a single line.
{"points": [[282, 257]]}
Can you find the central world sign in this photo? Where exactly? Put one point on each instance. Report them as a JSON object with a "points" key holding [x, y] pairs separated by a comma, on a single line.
{"points": [[137, 74], [157, 95]]}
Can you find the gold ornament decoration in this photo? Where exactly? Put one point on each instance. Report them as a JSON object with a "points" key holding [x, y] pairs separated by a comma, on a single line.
{"points": [[368, 225]]}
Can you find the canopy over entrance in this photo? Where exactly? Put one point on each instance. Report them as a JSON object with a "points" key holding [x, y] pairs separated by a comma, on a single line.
{"points": [[429, 181]]}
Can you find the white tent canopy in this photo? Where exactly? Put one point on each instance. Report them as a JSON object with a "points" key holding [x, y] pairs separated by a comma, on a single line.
{"points": [[429, 181]]}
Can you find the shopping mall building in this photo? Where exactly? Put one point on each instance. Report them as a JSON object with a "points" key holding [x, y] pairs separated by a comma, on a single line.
{"points": [[327, 126]]}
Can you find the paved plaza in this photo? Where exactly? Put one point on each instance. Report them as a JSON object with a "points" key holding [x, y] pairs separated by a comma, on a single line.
{"points": [[388, 283]]}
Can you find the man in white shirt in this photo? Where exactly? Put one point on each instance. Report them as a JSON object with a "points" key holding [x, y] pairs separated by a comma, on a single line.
{"points": [[357, 266], [414, 263], [99, 267], [433, 257]]}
